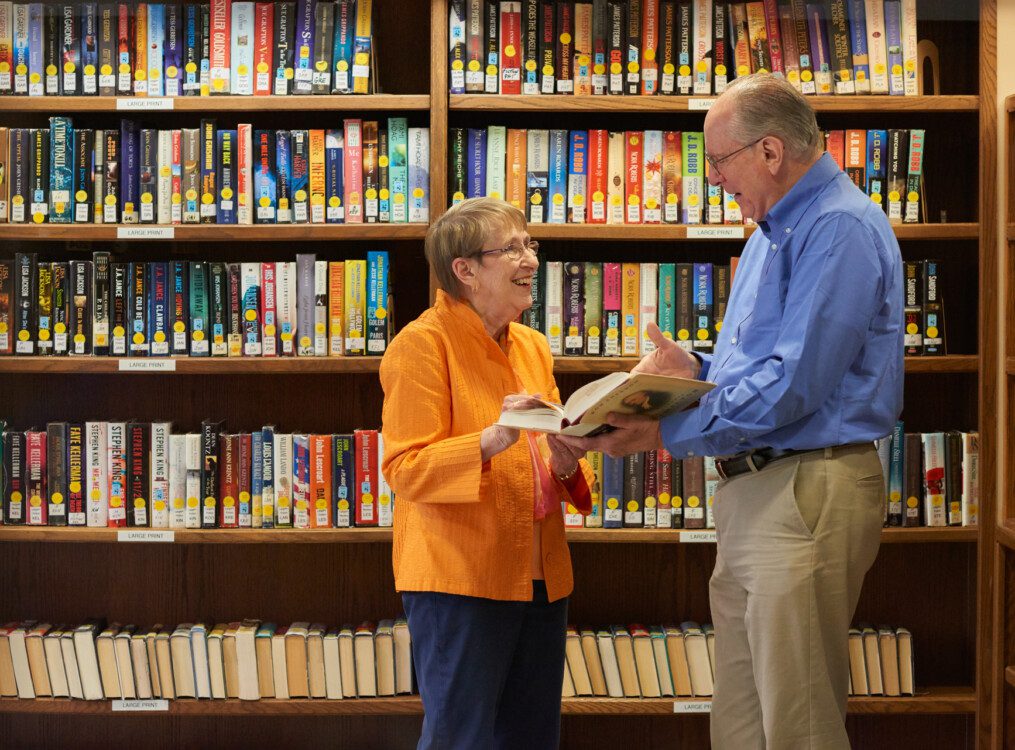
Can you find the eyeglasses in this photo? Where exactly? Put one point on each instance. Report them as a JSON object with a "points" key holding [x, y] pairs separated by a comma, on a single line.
{"points": [[714, 161], [514, 251]]}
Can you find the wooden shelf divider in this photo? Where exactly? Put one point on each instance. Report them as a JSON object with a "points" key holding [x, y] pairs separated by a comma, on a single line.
{"points": [[569, 103], [86, 535], [139, 105], [939, 700]]}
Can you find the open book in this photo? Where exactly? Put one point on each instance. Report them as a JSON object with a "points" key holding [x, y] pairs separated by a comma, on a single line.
{"points": [[585, 412]]}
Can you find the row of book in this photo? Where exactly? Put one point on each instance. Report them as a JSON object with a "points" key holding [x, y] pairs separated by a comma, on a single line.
{"points": [[603, 309], [249, 660], [252, 660], [685, 47], [361, 172], [654, 176], [306, 308], [931, 478], [141, 474], [188, 49], [635, 661]]}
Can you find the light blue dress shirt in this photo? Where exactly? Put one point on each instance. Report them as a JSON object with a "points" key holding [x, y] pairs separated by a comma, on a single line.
{"points": [[810, 354]]}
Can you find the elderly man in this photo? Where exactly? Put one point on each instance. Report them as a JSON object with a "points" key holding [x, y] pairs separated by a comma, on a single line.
{"points": [[809, 371]]}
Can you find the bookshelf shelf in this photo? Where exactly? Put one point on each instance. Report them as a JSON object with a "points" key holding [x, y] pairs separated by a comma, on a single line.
{"points": [[1009, 676], [1006, 534], [192, 365], [136, 105], [211, 232], [722, 232], [569, 103], [598, 365], [1009, 365], [931, 701], [1010, 232], [352, 365], [83, 535]]}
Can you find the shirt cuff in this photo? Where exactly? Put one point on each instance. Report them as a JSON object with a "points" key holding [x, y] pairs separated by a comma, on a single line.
{"points": [[577, 490], [681, 435]]}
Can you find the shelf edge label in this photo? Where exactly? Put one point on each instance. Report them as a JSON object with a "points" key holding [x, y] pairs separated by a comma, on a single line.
{"points": [[692, 707], [147, 365], [700, 105], [144, 103], [706, 232], [145, 233], [158, 704], [145, 535], [706, 537]]}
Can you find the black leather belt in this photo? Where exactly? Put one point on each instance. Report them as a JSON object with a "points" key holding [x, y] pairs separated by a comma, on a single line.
{"points": [[753, 460]]}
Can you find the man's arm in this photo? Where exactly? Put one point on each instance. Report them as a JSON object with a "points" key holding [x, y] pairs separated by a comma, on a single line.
{"points": [[835, 291]]}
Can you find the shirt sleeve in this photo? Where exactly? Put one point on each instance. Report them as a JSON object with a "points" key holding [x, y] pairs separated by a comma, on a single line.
{"points": [[422, 462], [577, 490], [835, 290]]}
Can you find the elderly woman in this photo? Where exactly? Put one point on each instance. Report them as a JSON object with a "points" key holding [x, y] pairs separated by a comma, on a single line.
{"points": [[479, 552]]}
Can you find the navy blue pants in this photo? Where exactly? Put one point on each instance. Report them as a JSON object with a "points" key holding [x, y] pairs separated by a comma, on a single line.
{"points": [[489, 672]]}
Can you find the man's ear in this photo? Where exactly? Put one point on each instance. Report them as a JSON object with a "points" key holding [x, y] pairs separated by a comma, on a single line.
{"points": [[773, 151]]}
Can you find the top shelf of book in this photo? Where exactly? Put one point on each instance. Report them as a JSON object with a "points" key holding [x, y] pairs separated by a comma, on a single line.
{"points": [[68, 104], [568, 103]]}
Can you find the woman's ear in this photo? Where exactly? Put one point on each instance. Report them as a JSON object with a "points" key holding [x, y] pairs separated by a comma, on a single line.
{"points": [[465, 272]]}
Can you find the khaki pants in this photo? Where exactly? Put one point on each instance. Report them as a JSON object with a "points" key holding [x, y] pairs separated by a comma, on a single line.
{"points": [[794, 543]]}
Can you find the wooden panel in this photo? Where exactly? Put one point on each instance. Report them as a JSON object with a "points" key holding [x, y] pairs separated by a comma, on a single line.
{"points": [[366, 103], [658, 232], [214, 232], [438, 54], [568, 103], [82, 535]]}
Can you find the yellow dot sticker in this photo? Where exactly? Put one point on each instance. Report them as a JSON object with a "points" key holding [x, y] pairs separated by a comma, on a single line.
{"points": [[612, 503], [418, 193], [932, 332], [178, 502], [693, 501], [60, 328], [632, 505], [147, 198], [683, 334], [35, 501], [530, 65], [198, 335], [510, 50], [632, 67], [227, 193], [74, 487], [159, 337], [720, 70], [565, 38], [269, 330], [44, 335], [139, 503], [616, 68], [115, 502], [321, 504], [649, 54], [702, 334], [207, 199], [547, 70], [343, 505], [536, 199], [192, 502], [56, 498], [366, 498], [24, 335], [228, 501], [876, 198], [912, 196], [51, 70], [668, 69], [491, 70], [650, 502]]}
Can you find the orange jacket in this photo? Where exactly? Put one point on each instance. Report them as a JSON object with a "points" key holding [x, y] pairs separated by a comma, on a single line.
{"points": [[462, 526]]}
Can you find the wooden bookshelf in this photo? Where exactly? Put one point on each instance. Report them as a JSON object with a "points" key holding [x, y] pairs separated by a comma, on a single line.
{"points": [[935, 700], [211, 232], [139, 105], [1001, 564], [85, 535], [725, 232], [568, 103], [969, 572], [339, 365]]}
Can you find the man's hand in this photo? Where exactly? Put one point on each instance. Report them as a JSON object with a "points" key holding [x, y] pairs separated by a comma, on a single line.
{"points": [[669, 358], [634, 433]]}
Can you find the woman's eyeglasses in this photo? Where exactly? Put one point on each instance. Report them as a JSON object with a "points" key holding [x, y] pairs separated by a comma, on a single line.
{"points": [[515, 250]]}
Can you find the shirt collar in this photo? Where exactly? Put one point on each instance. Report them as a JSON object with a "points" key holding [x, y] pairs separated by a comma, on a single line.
{"points": [[465, 316], [789, 209]]}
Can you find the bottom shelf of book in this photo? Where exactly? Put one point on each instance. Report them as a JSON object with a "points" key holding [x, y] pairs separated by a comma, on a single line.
{"points": [[936, 700]]}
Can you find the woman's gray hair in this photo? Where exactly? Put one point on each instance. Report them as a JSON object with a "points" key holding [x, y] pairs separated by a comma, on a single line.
{"points": [[461, 232], [765, 104]]}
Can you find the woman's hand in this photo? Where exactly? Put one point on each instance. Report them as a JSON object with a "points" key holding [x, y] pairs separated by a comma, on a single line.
{"points": [[495, 438], [563, 457], [668, 358]]}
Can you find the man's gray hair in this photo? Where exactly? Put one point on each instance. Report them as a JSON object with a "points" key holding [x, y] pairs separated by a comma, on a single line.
{"points": [[765, 104]]}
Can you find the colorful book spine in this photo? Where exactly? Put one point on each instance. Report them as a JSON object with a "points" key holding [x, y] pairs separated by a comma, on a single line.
{"points": [[377, 302], [243, 38], [362, 47], [692, 176], [284, 58], [419, 175], [220, 46], [914, 180], [877, 50], [652, 183], [893, 43], [398, 168]]}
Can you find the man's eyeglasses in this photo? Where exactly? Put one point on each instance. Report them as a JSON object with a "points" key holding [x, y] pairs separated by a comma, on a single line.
{"points": [[715, 161], [514, 251]]}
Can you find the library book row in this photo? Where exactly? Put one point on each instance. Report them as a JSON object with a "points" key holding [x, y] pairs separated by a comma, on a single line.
{"points": [[669, 661], [254, 660], [141, 474], [360, 173], [189, 49], [603, 309], [306, 307], [655, 176], [248, 660], [662, 47]]}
